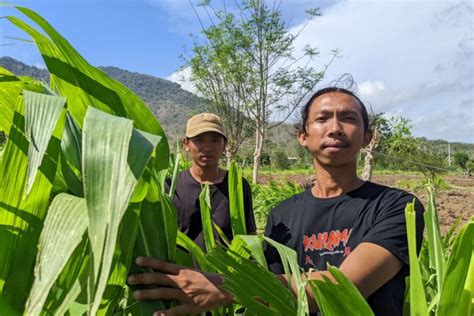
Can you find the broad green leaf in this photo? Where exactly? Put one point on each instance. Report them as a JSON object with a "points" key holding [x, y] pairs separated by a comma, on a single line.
{"points": [[293, 271], [340, 298], [457, 293], [122, 260], [241, 244], [86, 85], [206, 219], [417, 300], [71, 153], [64, 226], [21, 218], [435, 243], [11, 88], [157, 229], [42, 113], [252, 285], [196, 251], [236, 200], [112, 166]]}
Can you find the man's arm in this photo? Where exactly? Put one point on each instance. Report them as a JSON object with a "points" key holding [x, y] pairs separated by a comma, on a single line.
{"points": [[369, 267]]}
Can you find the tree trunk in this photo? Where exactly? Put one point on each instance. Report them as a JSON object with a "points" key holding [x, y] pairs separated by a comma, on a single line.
{"points": [[369, 157], [259, 136]]}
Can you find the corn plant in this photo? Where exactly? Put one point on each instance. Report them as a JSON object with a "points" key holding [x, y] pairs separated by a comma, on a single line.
{"points": [[81, 172], [445, 269]]}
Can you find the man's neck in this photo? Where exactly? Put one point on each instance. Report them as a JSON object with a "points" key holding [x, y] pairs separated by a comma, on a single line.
{"points": [[209, 175], [335, 181]]}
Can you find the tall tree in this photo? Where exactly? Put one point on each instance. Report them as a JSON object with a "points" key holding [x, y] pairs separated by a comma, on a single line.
{"points": [[248, 67]]}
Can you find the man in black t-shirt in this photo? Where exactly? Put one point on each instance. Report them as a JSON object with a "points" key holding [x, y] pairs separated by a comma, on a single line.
{"points": [[355, 225], [186, 201], [205, 142]]}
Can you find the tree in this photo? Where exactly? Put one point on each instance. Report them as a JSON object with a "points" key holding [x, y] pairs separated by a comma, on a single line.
{"points": [[248, 66], [461, 158]]}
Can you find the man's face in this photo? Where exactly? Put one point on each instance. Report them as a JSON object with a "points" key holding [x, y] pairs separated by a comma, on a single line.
{"points": [[335, 129], [206, 148]]}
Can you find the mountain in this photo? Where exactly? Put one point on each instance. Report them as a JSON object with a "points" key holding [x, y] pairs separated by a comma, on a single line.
{"points": [[169, 102], [172, 106]]}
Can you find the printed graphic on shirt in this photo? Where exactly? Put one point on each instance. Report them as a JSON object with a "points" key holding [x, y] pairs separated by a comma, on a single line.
{"points": [[327, 243]]}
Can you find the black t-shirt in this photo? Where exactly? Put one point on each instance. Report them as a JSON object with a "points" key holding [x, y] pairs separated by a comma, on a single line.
{"points": [[325, 231], [186, 201]]}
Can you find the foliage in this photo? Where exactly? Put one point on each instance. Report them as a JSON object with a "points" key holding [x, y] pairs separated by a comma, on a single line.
{"points": [[440, 281], [266, 197], [248, 66], [461, 159]]}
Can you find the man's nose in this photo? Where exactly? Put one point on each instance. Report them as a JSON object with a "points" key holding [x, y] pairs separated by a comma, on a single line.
{"points": [[335, 127]]}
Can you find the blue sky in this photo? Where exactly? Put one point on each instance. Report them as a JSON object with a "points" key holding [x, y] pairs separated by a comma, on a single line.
{"points": [[413, 58]]}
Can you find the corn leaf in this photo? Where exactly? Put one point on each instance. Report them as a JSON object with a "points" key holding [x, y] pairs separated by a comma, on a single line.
{"points": [[64, 226], [86, 85], [112, 166], [71, 153], [340, 298], [236, 200], [41, 116], [435, 243], [206, 219], [457, 293], [252, 285], [21, 218], [292, 270], [11, 87], [196, 251], [417, 300]]}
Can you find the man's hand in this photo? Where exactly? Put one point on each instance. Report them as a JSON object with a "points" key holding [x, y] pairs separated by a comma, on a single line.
{"points": [[197, 291]]}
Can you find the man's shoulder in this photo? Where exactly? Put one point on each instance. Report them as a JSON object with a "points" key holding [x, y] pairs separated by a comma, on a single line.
{"points": [[390, 195], [290, 203]]}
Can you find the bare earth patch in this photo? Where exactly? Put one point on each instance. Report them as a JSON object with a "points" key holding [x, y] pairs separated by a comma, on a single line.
{"points": [[451, 203]]}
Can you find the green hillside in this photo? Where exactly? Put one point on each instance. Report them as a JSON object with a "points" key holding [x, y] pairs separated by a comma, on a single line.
{"points": [[171, 104]]}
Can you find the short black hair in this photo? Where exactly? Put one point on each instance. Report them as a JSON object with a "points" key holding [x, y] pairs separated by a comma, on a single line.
{"points": [[307, 106]]}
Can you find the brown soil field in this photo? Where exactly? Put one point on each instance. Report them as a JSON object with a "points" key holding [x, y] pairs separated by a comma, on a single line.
{"points": [[452, 203]]}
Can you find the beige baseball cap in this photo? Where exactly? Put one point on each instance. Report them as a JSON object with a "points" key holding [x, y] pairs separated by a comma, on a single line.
{"points": [[204, 122]]}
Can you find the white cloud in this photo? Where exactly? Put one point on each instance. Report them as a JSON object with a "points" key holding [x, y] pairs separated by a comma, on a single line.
{"points": [[412, 58], [369, 88], [182, 77]]}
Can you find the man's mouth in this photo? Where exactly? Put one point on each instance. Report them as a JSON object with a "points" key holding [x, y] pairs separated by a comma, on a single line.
{"points": [[335, 144]]}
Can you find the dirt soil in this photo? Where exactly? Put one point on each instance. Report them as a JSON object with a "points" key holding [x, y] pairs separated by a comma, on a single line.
{"points": [[452, 203]]}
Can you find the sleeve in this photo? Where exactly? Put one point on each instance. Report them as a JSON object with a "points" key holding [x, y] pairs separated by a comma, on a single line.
{"points": [[388, 229], [248, 206]]}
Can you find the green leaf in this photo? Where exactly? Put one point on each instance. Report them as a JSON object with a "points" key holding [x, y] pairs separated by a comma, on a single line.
{"points": [[196, 251], [435, 243], [417, 300], [21, 219], [340, 298], [458, 288], [206, 219], [71, 153], [252, 285], [42, 113], [86, 85], [112, 165], [236, 200], [64, 226]]}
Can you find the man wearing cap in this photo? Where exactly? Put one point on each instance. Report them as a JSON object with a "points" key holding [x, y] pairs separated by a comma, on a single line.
{"points": [[205, 142]]}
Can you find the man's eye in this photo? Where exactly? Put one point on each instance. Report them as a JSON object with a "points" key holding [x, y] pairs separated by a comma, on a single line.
{"points": [[320, 119]]}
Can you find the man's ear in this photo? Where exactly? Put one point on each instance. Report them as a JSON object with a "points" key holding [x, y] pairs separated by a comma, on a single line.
{"points": [[301, 136], [367, 137], [185, 143]]}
